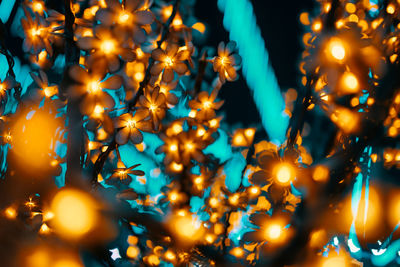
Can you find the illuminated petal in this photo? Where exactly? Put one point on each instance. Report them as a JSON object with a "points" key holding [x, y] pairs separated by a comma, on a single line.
{"points": [[113, 63], [183, 55], [203, 96], [180, 68], [87, 43], [144, 17], [145, 126], [232, 74], [158, 54], [141, 114], [114, 82], [127, 54], [221, 48], [156, 69], [78, 74], [168, 75], [105, 17], [107, 101], [122, 136], [87, 105], [171, 49], [139, 35], [136, 136]]}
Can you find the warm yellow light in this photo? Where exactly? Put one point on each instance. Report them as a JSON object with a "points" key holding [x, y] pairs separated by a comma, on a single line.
{"points": [[153, 107], [173, 147], [237, 252], [177, 128], [38, 258], [93, 87], [234, 199], [74, 213], [177, 21], [249, 132], [239, 140], [173, 196], [186, 227], [198, 180], [199, 27], [391, 9], [336, 49], [273, 232], [284, 173], [168, 61], [335, 262], [317, 26], [189, 146], [153, 260], [201, 132], [213, 123], [167, 11], [131, 124], [213, 202], [169, 255], [345, 119], [36, 32], [351, 8], [44, 229], [138, 76], [123, 17], [207, 104], [176, 167], [132, 252], [321, 173], [37, 7], [10, 213], [254, 190], [98, 110], [209, 238], [67, 262], [107, 46], [349, 83]]}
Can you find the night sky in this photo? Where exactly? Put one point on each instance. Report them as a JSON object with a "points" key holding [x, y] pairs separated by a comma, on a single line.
{"points": [[281, 30]]}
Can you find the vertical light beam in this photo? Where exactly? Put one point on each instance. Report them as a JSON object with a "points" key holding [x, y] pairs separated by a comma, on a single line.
{"points": [[240, 21]]}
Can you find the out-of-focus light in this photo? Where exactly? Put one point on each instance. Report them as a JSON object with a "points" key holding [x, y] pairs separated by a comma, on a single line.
{"points": [[336, 49], [335, 262], [107, 46], [320, 173], [74, 213], [10, 213], [349, 83]]}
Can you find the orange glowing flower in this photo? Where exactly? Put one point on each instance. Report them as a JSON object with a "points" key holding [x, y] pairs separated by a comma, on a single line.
{"points": [[169, 60], [37, 34], [105, 46], [90, 85], [226, 61], [205, 105], [43, 82], [124, 175], [126, 18], [155, 103], [131, 127]]}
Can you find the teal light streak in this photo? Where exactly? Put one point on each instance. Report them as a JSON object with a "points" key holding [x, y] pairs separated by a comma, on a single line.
{"points": [[240, 21]]}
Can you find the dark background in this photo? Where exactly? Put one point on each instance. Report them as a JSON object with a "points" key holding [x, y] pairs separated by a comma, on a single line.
{"points": [[282, 32]]}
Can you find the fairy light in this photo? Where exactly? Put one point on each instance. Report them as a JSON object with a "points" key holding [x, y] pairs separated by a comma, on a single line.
{"points": [[107, 46], [273, 232], [213, 202], [168, 61], [131, 124], [74, 213], [132, 252], [336, 49], [169, 255], [153, 107], [173, 147], [10, 213], [98, 110], [176, 167], [284, 173], [93, 87], [189, 146], [207, 104], [349, 83], [321, 173], [123, 17], [237, 252], [391, 9]]}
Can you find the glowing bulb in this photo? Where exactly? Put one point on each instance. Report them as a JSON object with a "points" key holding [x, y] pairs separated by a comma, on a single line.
{"points": [[173, 147], [284, 173], [320, 174], [167, 11], [173, 196], [198, 180], [177, 128], [107, 46], [93, 87], [74, 213], [237, 252], [213, 202], [249, 132], [37, 7], [168, 62], [189, 146], [201, 132], [176, 167], [254, 190], [273, 232], [152, 107], [132, 252], [349, 82], [123, 17], [207, 104], [223, 61], [234, 200], [390, 9], [337, 49], [10, 213], [131, 124], [36, 32], [98, 110], [317, 26], [169, 255], [44, 229]]}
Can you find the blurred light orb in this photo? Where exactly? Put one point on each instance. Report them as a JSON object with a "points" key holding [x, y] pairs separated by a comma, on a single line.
{"points": [[33, 136], [335, 262], [350, 83], [273, 232], [74, 213], [336, 49], [107, 46]]}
